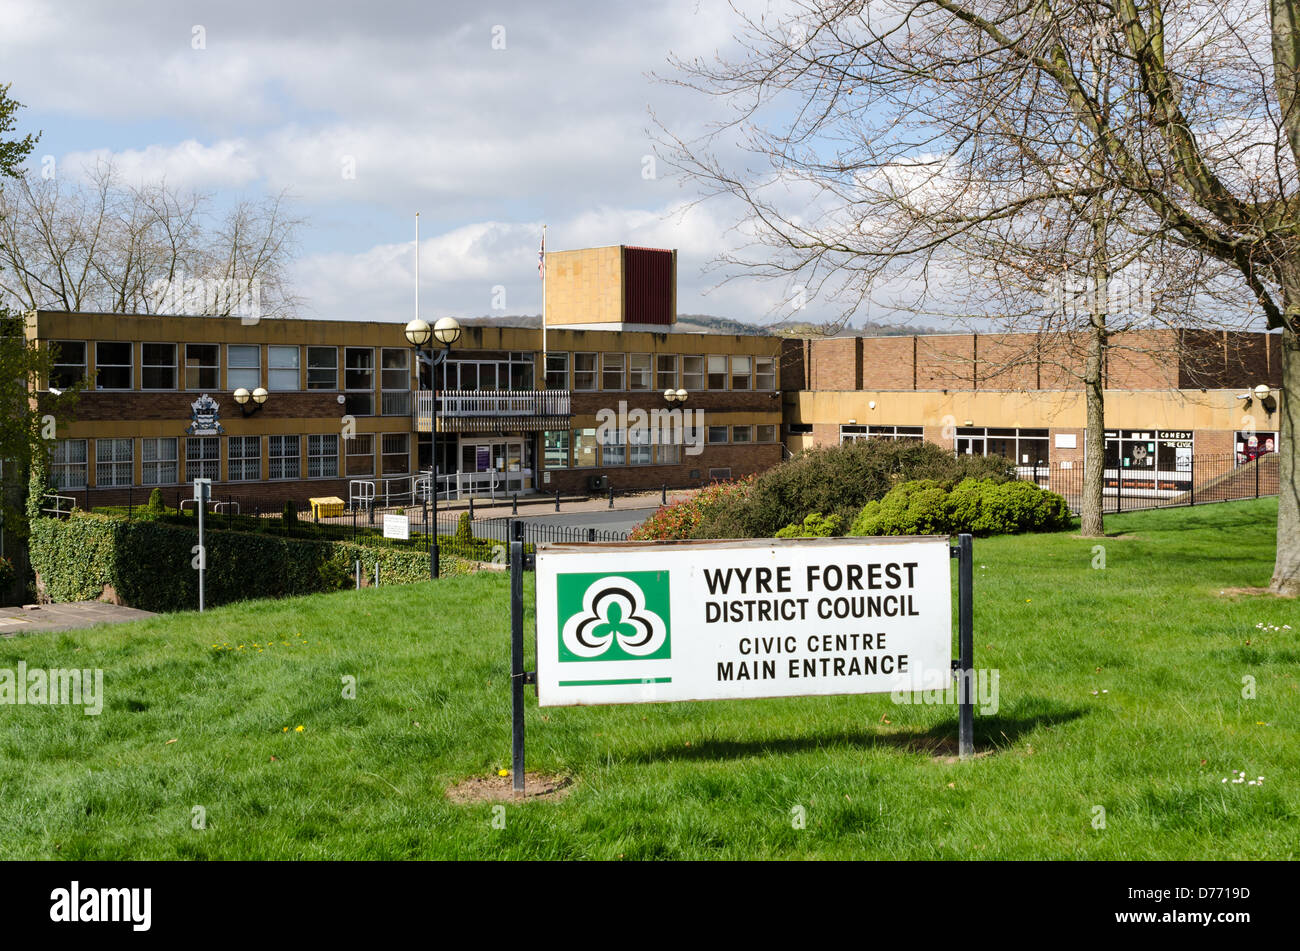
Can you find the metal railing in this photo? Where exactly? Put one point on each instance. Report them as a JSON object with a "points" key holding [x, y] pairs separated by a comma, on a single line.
{"points": [[493, 403], [1199, 479]]}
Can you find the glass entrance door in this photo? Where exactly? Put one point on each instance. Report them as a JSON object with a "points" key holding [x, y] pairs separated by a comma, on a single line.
{"points": [[497, 465]]}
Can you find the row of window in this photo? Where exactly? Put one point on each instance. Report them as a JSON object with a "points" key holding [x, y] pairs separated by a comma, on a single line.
{"points": [[659, 371], [636, 447], [160, 459], [197, 366]]}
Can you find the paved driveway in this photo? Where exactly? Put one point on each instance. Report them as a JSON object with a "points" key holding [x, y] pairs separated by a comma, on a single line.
{"points": [[64, 617]]}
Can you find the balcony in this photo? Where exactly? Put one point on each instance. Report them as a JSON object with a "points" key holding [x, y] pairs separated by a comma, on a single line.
{"points": [[488, 411]]}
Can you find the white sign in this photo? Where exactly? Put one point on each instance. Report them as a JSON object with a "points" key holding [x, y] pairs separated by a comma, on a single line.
{"points": [[1066, 441], [397, 526], [637, 622]]}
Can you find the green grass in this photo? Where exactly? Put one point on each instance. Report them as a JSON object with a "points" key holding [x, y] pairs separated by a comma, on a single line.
{"points": [[365, 779]]}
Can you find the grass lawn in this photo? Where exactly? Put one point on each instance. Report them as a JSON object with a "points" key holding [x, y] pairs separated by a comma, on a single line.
{"points": [[1120, 688]]}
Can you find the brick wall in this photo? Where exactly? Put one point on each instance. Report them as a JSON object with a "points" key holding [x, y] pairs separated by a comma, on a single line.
{"points": [[888, 363], [836, 364], [945, 362], [99, 405], [794, 364]]}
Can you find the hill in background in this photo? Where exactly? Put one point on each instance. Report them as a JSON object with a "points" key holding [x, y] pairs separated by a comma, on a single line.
{"points": [[705, 323]]}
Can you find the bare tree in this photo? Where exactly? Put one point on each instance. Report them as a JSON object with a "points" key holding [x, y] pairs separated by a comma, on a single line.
{"points": [[102, 245], [896, 136]]}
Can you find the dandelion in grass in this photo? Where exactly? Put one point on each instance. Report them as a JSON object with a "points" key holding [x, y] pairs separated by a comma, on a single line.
{"points": [[299, 728]]}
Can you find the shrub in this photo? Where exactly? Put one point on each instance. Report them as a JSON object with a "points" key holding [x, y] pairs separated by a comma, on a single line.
{"points": [[815, 525], [148, 564], [6, 575], [682, 518], [912, 508], [155, 506], [839, 480], [977, 506], [465, 528]]}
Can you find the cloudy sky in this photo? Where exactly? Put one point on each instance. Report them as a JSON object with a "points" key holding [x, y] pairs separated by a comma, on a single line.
{"points": [[244, 98]]}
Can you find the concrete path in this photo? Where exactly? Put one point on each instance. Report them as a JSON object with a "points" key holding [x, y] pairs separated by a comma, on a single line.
{"points": [[35, 618]]}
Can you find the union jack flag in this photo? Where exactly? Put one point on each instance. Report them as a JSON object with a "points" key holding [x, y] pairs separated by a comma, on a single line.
{"points": [[541, 258]]}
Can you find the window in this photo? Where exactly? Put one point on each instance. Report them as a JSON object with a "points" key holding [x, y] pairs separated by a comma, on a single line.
{"points": [[518, 373], [614, 450], [158, 461], [203, 458], [112, 366], [853, 431], [113, 462], [669, 454], [764, 373], [283, 455], [396, 453], [282, 368], [322, 368], [800, 429], [612, 366], [741, 368], [555, 449], [692, 373], [666, 371], [742, 433], [584, 371], [766, 433], [717, 373], [639, 450], [717, 434], [395, 381], [243, 366], [68, 464], [584, 448], [244, 458], [201, 366], [638, 371], [323, 457], [68, 364], [359, 459], [557, 377], [359, 380], [157, 366]]}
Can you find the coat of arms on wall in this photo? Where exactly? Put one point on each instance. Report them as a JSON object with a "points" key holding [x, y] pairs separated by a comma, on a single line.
{"points": [[205, 417]]}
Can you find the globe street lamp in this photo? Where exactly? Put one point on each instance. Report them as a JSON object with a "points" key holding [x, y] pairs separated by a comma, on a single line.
{"points": [[420, 335], [259, 397], [675, 396]]}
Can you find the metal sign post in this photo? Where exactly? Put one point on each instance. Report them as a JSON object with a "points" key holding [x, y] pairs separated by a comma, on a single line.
{"points": [[517, 659], [202, 492], [965, 663]]}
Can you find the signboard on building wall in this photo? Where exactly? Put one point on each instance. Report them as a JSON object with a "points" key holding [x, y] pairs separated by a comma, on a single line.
{"points": [[762, 618]]}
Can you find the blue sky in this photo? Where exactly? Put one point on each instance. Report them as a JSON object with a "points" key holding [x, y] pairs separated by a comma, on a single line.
{"points": [[487, 143]]}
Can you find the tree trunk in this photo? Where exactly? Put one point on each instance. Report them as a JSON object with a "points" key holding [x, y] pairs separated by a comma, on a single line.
{"points": [[1092, 522], [1286, 571], [1091, 518]]}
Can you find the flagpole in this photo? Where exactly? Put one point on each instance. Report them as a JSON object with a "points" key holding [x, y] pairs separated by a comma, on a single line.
{"points": [[544, 269]]}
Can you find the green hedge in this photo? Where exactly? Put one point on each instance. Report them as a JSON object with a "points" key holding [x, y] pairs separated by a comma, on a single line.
{"points": [[977, 506], [150, 565]]}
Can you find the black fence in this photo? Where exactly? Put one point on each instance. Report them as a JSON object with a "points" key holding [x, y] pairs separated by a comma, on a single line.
{"points": [[1191, 480]]}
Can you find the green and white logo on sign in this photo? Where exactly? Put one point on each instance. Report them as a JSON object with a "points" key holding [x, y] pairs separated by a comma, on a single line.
{"points": [[613, 617]]}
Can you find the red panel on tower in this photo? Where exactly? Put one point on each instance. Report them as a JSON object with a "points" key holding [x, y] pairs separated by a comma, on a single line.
{"points": [[648, 286]]}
